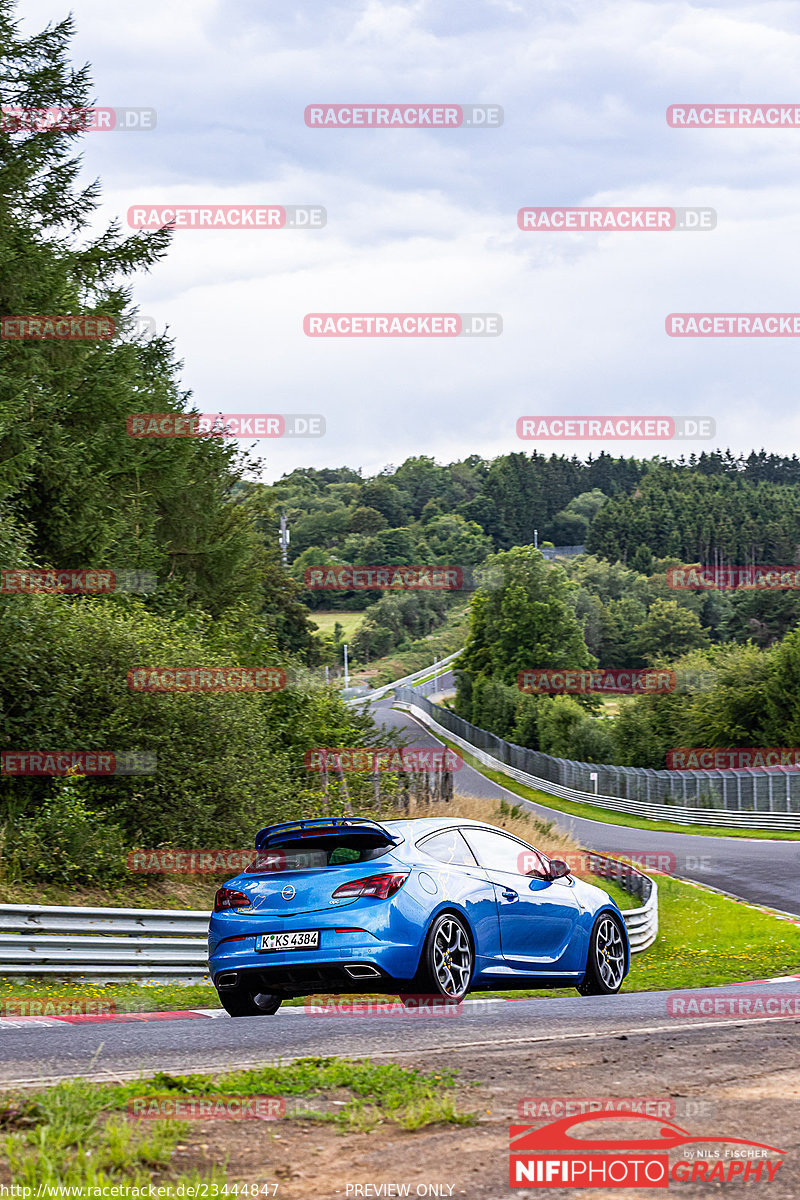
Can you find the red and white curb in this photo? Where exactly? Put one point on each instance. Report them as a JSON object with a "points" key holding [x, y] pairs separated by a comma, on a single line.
{"points": [[775, 979], [182, 1014], [191, 1014], [779, 914]]}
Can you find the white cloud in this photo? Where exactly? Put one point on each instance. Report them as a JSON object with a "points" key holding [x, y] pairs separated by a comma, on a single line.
{"points": [[427, 221]]}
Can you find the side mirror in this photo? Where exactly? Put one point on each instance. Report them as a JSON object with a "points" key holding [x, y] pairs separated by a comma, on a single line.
{"points": [[558, 869]]}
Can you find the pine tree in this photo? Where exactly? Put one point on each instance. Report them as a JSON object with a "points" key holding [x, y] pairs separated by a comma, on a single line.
{"points": [[83, 492]]}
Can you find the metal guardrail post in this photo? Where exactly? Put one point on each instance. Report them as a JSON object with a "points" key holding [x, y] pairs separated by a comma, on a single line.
{"points": [[641, 923]]}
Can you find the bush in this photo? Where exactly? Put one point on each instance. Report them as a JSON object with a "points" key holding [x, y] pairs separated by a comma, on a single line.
{"points": [[567, 731], [227, 763], [66, 842]]}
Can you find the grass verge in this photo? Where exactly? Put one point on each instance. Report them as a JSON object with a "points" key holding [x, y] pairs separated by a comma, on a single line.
{"points": [[163, 891], [84, 1135]]}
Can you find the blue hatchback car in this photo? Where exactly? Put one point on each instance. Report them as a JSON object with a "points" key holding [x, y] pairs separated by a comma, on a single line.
{"points": [[437, 906]]}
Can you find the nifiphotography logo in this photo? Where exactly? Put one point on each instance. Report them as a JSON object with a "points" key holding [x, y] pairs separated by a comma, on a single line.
{"points": [[556, 1156]]}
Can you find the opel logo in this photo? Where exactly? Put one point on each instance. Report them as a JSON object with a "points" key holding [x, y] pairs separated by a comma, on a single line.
{"points": [[288, 892]]}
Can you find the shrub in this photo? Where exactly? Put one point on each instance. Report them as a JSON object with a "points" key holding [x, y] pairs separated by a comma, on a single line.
{"points": [[65, 841]]}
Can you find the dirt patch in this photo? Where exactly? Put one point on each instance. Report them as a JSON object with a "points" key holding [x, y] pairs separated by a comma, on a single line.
{"points": [[738, 1082]]}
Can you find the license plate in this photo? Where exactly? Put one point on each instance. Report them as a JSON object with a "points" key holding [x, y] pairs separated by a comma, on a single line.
{"points": [[301, 939]]}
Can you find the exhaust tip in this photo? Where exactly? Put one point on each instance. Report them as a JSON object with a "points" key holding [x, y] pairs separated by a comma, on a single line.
{"points": [[227, 979], [361, 971]]}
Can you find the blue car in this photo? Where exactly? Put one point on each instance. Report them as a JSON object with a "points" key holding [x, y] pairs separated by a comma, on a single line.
{"points": [[436, 906]]}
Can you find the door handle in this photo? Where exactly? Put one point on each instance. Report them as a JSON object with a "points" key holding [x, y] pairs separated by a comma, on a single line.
{"points": [[508, 894]]}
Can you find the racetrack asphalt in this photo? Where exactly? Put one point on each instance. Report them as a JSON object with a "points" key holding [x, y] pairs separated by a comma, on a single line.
{"points": [[32, 1055]]}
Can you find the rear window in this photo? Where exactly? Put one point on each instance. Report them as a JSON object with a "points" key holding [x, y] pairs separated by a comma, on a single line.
{"points": [[308, 854]]}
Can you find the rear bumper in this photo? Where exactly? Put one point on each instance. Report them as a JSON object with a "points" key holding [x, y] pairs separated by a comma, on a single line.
{"points": [[345, 962], [308, 979]]}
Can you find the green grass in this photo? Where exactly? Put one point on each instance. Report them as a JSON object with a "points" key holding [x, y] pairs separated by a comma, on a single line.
{"points": [[391, 1093], [78, 1134], [608, 817], [707, 939], [349, 622], [74, 1135]]}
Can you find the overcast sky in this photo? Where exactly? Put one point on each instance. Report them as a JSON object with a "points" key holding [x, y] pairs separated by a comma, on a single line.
{"points": [[425, 221]]}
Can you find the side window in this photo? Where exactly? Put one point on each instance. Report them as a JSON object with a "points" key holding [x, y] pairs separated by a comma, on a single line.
{"points": [[448, 847], [497, 852]]}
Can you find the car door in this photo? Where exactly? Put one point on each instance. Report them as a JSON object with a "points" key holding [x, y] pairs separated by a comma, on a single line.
{"points": [[454, 874], [538, 916]]}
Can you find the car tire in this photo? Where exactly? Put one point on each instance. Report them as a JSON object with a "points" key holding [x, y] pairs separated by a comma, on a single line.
{"points": [[605, 962], [448, 961], [240, 1002]]}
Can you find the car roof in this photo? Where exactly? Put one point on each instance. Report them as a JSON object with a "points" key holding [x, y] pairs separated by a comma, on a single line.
{"points": [[429, 824]]}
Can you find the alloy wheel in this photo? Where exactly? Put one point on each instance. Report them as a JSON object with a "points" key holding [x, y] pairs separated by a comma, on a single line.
{"points": [[452, 958], [610, 953]]}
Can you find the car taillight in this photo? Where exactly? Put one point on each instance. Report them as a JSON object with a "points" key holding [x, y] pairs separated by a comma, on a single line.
{"points": [[230, 898], [381, 886]]}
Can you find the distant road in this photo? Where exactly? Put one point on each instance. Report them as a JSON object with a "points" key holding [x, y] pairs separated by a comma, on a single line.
{"points": [[757, 869]]}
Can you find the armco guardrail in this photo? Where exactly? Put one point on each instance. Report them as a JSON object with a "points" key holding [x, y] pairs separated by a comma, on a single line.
{"points": [[113, 944], [642, 923], [380, 692], [755, 799]]}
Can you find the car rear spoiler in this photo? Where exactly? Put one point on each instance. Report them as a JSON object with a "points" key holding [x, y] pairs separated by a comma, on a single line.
{"points": [[273, 835]]}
